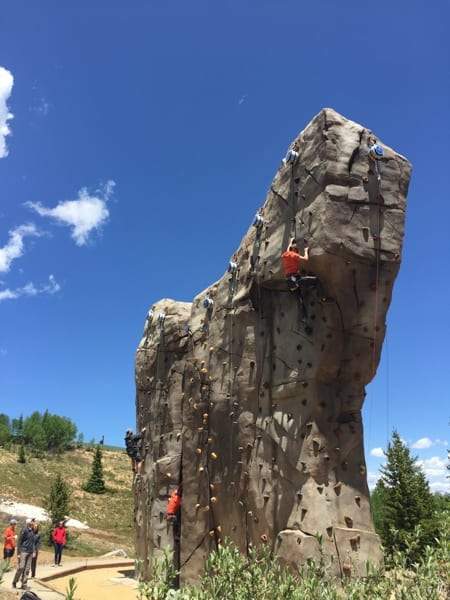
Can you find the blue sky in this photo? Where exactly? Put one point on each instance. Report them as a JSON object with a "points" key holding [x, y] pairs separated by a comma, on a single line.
{"points": [[143, 139]]}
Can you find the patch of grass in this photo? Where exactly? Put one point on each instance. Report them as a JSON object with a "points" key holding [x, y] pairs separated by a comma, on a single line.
{"points": [[110, 515]]}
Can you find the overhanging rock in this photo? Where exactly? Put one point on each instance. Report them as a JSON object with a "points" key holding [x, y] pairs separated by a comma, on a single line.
{"points": [[256, 411]]}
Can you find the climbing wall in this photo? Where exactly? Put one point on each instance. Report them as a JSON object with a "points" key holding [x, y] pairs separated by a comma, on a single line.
{"points": [[257, 411]]}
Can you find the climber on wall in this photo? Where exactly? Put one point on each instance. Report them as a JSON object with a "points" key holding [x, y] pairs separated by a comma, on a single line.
{"points": [[291, 260], [133, 448], [173, 516], [174, 505]]}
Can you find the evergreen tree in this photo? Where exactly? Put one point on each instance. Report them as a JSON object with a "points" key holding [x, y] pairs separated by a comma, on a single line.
{"points": [[21, 458], [96, 482], [402, 500], [58, 500]]}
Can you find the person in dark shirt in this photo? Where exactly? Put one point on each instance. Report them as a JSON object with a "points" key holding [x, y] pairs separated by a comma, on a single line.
{"points": [[133, 448], [26, 546], [37, 546]]}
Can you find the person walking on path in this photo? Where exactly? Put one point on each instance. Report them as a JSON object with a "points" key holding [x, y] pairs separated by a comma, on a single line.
{"points": [[9, 540], [37, 546], [59, 537], [25, 553]]}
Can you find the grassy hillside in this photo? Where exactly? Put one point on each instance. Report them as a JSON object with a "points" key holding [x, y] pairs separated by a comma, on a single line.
{"points": [[109, 515]]}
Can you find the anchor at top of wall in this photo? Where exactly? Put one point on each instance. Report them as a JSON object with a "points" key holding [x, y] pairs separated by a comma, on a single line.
{"points": [[232, 266], [208, 303], [376, 151], [259, 221]]}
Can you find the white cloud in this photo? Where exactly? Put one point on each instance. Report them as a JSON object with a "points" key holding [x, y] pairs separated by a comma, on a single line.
{"points": [[6, 85], [423, 443], [378, 452], [85, 214], [14, 247], [52, 287], [372, 479], [426, 442], [442, 486], [434, 466]]}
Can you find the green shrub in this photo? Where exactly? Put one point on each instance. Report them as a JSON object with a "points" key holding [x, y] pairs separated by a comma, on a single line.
{"points": [[96, 482], [229, 575]]}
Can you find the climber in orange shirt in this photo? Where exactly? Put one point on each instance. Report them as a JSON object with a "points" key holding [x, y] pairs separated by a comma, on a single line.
{"points": [[9, 537], [291, 260], [174, 504]]}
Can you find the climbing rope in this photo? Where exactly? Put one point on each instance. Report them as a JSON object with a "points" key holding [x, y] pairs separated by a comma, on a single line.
{"points": [[379, 153]]}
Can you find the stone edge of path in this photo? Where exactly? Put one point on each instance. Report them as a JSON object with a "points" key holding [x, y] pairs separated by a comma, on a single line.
{"points": [[83, 566]]}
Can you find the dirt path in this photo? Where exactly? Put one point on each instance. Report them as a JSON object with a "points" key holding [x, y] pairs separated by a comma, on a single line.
{"points": [[100, 584]]}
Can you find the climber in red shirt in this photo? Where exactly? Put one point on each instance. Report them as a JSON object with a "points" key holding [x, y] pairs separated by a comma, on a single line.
{"points": [[174, 504], [291, 260]]}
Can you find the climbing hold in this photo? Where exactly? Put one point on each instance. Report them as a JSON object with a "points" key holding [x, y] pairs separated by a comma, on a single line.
{"points": [[213, 500], [362, 469], [214, 456], [197, 506], [211, 533], [201, 469], [219, 528], [348, 522], [199, 450], [264, 538]]}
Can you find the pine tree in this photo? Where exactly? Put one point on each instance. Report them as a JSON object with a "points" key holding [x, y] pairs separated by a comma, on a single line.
{"points": [[58, 500], [21, 457], [403, 500], [96, 482]]}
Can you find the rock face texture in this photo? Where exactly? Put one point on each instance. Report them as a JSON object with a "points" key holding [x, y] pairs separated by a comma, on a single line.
{"points": [[257, 411]]}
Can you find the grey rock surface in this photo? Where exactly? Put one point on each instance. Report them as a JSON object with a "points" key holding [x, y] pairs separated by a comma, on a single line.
{"points": [[256, 411]]}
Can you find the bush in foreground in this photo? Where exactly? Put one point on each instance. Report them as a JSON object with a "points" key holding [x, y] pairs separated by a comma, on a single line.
{"points": [[231, 576]]}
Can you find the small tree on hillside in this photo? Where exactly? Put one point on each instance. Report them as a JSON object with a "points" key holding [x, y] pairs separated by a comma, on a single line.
{"points": [[402, 500], [21, 458], [58, 500], [96, 482]]}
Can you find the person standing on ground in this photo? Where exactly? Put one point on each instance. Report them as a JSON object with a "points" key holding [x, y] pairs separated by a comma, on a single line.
{"points": [[37, 546], [59, 537], [25, 553], [9, 540]]}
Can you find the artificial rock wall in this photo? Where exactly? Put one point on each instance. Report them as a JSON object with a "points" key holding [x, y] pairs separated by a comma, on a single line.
{"points": [[257, 412]]}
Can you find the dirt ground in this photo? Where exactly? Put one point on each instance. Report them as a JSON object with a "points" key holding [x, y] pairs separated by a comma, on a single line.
{"points": [[100, 584]]}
